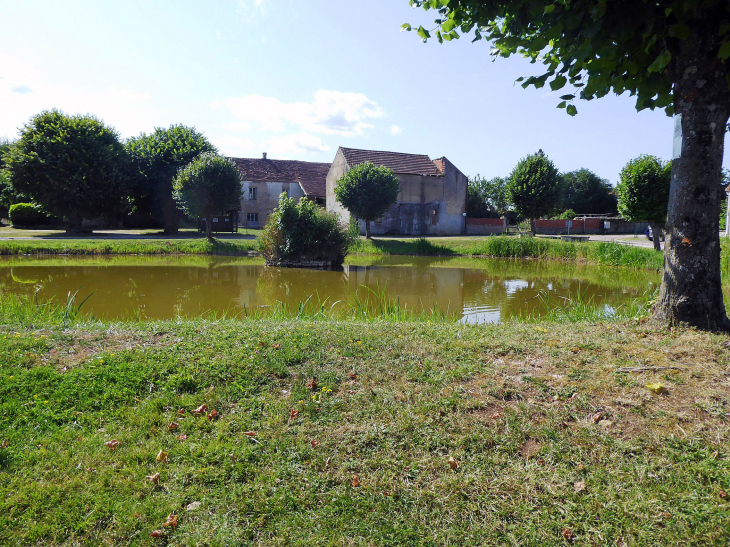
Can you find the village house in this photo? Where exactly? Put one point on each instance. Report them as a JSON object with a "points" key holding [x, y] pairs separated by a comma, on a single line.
{"points": [[432, 197], [264, 180]]}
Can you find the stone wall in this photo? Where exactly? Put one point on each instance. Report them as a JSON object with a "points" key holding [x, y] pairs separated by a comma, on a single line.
{"points": [[585, 226], [267, 199]]}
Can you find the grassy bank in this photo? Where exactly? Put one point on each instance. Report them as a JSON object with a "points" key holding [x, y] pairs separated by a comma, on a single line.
{"points": [[501, 247], [360, 432], [91, 247]]}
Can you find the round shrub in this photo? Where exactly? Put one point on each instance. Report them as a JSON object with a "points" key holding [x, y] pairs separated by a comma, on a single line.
{"points": [[303, 232], [27, 214]]}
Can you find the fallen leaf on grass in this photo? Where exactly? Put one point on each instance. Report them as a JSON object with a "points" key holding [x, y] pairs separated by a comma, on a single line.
{"points": [[722, 494], [355, 481], [200, 410], [250, 433], [352, 376], [312, 384], [171, 521], [314, 443], [214, 415], [157, 534], [162, 456], [598, 416], [181, 412], [579, 486], [568, 534], [276, 346], [4, 444], [182, 437], [154, 479], [172, 425], [453, 463], [112, 444], [656, 388], [293, 414]]}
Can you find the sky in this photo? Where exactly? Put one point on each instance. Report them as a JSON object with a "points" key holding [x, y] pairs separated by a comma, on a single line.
{"points": [[299, 79]]}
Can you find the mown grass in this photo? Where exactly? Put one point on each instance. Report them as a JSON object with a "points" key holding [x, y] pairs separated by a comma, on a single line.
{"points": [[551, 443]]}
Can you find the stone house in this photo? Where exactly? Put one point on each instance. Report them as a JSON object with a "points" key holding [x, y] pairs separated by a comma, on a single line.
{"points": [[432, 197], [264, 180]]}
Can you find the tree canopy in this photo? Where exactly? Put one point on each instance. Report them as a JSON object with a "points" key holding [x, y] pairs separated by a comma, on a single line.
{"points": [[157, 157], [487, 197], [209, 185], [534, 187], [367, 191], [670, 54], [643, 193], [73, 166], [588, 194]]}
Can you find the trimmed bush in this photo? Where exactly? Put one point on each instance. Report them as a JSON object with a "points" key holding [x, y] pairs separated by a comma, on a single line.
{"points": [[27, 214], [303, 232]]}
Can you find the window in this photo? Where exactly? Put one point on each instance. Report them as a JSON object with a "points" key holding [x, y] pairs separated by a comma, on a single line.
{"points": [[252, 193], [252, 217]]}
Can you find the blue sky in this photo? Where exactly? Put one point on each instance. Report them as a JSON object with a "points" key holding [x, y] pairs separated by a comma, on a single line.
{"points": [[298, 79]]}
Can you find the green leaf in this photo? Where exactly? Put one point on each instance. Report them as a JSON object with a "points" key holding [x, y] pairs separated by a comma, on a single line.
{"points": [[558, 83], [724, 29], [561, 105], [569, 97], [571, 110], [724, 52], [423, 33], [680, 30], [406, 26], [660, 62], [549, 8], [448, 25]]}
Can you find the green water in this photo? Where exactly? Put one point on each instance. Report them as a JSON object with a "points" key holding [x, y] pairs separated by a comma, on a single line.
{"points": [[474, 290]]}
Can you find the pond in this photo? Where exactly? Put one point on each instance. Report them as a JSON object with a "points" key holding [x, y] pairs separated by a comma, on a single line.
{"points": [[473, 290]]}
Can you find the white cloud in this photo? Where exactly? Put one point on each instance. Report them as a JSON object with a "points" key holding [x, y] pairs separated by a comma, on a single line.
{"points": [[239, 127], [395, 130], [235, 146], [331, 112], [296, 144]]}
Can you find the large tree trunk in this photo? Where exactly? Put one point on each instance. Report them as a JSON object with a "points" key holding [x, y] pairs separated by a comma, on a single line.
{"points": [[691, 292], [367, 229], [656, 235], [170, 215], [209, 228], [75, 224]]}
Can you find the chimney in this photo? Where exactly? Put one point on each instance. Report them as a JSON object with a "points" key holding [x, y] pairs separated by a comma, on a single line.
{"points": [[264, 155]]}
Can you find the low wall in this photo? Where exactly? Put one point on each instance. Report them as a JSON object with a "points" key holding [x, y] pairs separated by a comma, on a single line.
{"points": [[485, 226], [585, 226]]}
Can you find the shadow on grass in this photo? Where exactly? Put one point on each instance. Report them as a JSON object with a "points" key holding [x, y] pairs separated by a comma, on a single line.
{"points": [[420, 246]]}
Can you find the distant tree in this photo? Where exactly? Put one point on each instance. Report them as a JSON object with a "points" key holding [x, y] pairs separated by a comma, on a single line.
{"points": [[487, 197], [534, 187], [586, 193], [643, 193], [8, 195], [207, 186], [669, 54], [367, 191], [73, 166], [157, 158]]}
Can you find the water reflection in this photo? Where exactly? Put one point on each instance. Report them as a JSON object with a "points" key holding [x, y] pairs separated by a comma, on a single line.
{"points": [[474, 290]]}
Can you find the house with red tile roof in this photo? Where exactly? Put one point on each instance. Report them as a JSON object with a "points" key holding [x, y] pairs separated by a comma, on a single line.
{"points": [[432, 197], [264, 180]]}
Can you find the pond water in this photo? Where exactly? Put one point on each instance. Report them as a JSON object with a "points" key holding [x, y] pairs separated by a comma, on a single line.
{"points": [[474, 290]]}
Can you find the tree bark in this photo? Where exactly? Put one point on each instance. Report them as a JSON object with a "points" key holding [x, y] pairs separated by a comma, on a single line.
{"points": [[656, 235], [367, 229], [209, 228], [170, 215], [691, 291], [533, 226], [75, 224]]}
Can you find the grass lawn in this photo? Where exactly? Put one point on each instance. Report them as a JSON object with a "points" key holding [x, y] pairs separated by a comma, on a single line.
{"points": [[361, 433]]}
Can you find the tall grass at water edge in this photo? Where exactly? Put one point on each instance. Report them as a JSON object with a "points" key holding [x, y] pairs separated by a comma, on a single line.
{"points": [[91, 247]]}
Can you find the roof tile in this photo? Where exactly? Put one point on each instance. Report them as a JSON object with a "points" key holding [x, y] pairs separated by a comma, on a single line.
{"points": [[406, 164], [312, 176]]}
